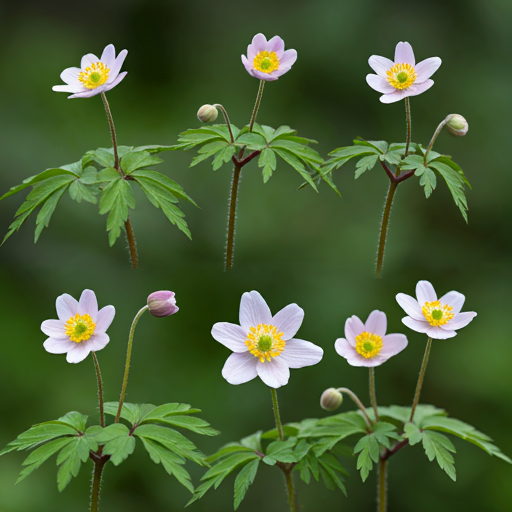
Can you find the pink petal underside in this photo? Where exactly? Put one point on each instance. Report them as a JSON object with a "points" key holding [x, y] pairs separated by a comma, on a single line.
{"points": [[105, 317], [98, 342], [276, 45], [353, 327], [379, 84], [240, 368], [380, 65], [68, 88], [87, 60], [300, 353], [274, 373], [376, 323], [58, 346], [251, 53], [393, 344], [425, 293], [78, 353], [111, 85], [410, 306], [67, 307], [116, 67], [253, 311], [267, 77], [54, 329], [288, 59], [416, 89], [394, 96], [416, 325], [108, 57], [453, 299], [231, 336], [89, 93], [88, 304], [259, 43], [288, 320], [438, 333], [280, 72], [459, 321], [426, 68], [404, 54], [70, 76]]}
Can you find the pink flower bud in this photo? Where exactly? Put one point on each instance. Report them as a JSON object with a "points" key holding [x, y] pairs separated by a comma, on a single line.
{"points": [[162, 303]]}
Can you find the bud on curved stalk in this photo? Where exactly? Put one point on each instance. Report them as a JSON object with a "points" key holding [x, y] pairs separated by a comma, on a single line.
{"points": [[162, 303], [331, 399], [207, 113], [457, 125]]}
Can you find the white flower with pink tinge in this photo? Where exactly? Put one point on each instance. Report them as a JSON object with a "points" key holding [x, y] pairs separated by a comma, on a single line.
{"points": [[80, 329], [438, 319], [267, 60], [403, 77], [94, 75], [368, 344], [264, 345]]}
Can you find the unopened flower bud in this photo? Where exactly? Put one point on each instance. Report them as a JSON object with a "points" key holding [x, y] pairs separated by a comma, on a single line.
{"points": [[331, 399], [162, 303], [207, 114], [457, 125]]}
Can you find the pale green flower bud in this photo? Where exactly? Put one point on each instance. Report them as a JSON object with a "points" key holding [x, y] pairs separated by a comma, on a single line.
{"points": [[331, 399], [457, 125], [207, 114]]}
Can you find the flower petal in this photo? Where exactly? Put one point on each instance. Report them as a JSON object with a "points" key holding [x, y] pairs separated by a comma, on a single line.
{"points": [[88, 304], [380, 65], [425, 293], [393, 344], [267, 77], [78, 353], [353, 327], [67, 307], [379, 84], [416, 325], [459, 321], [231, 336], [344, 349], [54, 329], [88, 93], [98, 341], [240, 368], [70, 76], [288, 320], [377, 323], [394, 96], [273, 373], [453, 299], [426, 68], [276, 45], [253, 311], [108, 57], [58, 346], [440, 334], [404, 54], [68, 88], [259, 43], [111, 85], [300, 353], [105, 317], [410, 306], [288, 59], [280, 72], [247, 64], [416, 89], [87, 60], [116, 67]]}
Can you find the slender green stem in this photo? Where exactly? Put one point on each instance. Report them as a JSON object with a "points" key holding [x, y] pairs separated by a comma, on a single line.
{"points": [[132, 244], [100, 388], [384, 226], [421, 377], [292, 497], [233, 200], [275, 406], [408, 117], [382, 486], [358, 402], [96, 484], [373, 393], [256, 105], [226, 117], [128, 359], [434, 137]]}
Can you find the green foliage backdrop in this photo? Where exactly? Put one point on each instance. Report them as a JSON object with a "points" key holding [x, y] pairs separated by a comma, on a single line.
{"points": [[314, 249]]}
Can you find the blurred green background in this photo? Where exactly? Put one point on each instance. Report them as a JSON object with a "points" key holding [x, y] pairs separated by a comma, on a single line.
{"points": [[313, 249]]}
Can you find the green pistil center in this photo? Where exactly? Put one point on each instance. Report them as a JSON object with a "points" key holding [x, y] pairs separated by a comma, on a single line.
{"points": [[437, 314], [265, 343], [265, 64], [95, 77], [402, 77], [368, 346], [80, 329]]}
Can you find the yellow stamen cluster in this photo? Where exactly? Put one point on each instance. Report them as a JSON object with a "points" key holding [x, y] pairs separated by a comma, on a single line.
{"points": [[80, 328], [264, 342], [368, 345], [436, 314], [94, 75], [266, 62], [401, 76]]}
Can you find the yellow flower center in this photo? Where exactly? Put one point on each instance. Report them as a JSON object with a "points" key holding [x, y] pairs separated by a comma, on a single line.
{"points": [[264, 342], [94, 76], [436, 314], [401, 76], [80, 328], [266, 62], [368, 345]]}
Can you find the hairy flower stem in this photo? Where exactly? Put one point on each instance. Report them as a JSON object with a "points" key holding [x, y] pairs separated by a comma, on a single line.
{"points": [[96, 484], [292, 497], [256, 105], [233, 200], [128, 226], [275, 406], [434, 137], [100, 388], [128, 359], [226, 117], [384, 226], [408, 118], [421, 377], [373, 393], [358, 402], [382, 491]]}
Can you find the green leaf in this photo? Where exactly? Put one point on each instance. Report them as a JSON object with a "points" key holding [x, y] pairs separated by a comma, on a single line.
{"points": [[70, 462], [253, 441], [368, 449], [136, 160], [330, 467], [267, 160], [119, 448], [45, 213], [428, 181], [111, 432], [296, 164], [412, 162], [365, 164], [227, 450], [281, 451], [380, 145], [132, 413], [209, 150], [223, 156], [299, 150], [165, 182], [244, 479], [288, 431], [252, 141]]}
